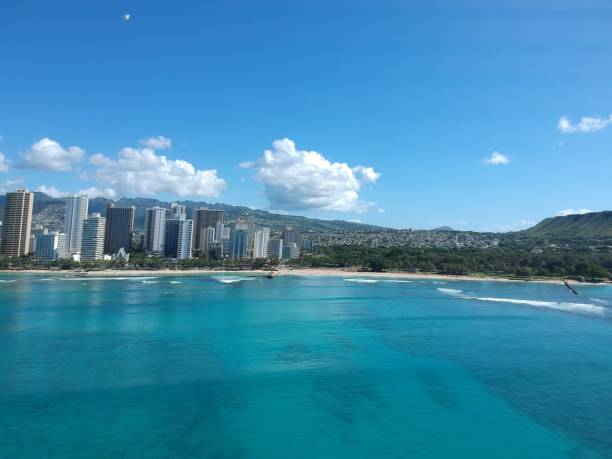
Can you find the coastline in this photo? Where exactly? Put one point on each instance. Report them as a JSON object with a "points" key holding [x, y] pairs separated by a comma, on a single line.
{"points": [[286, 271]]}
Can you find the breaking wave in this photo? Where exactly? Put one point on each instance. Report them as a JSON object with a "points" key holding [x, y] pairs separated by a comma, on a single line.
{"points": [[397, 281], [231, 279], [131, 278], [450, 291], [362, 281], [578, 308], [8, 281]]}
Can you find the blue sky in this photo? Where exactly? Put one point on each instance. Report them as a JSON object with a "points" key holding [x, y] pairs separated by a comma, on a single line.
{"points": [[403, 101]]}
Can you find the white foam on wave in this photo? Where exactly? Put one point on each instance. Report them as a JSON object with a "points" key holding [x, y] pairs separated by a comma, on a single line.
{"points": [[600, 301], [362, 281], [175, 282], [231, 279], [561, 306], [397, 281], [131, 278], [8, 281], [450, 291], [150, 282], [580, 308]]}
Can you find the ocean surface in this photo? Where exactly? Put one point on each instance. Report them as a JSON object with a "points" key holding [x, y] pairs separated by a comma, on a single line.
{"points": [[300, 367]]}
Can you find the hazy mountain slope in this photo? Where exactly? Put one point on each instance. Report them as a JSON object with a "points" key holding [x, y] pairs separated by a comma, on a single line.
{"points": [[52, 209], [591, 225]]}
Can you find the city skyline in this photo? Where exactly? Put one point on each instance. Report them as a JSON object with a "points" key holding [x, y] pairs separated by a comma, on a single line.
{"points": [[450, 125]]}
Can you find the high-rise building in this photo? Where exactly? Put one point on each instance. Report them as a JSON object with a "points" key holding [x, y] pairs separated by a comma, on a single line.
{"points": [[291, 236], [238, 243], [51, 246], [185, 238], [92, 245], [207, 238], [119, 227], [275, 248], [220, 231], [260, 245], [35, 231], [202, 219], [155, 227], [291, 251], [178, 211], [177, 238], [76, 213], [17, 223]]}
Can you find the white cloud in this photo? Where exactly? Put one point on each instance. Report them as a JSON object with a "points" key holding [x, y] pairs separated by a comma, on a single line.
{"points": [[94, 192], [49, 155], [10, 185], [4, 163], [157, 143], [566, 212], [143, 172], [496, 159], [126, 17], [298, 180], [52, 191], [586, 124]]}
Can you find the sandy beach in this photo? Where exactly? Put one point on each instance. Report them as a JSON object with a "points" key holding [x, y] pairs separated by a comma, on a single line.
{"points": [[285, 271]]}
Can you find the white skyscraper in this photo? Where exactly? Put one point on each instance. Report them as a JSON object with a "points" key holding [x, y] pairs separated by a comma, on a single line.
{"points": [[155, 227], [92, 246], [76, 212], [185, 236], [260, 245]]}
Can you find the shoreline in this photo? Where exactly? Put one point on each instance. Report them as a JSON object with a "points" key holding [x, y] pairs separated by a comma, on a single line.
{"points": [[284, 271]]}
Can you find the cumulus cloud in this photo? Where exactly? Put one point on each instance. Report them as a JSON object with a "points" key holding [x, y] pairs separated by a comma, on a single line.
{"points": [[47, 154], [586, 124], [52, 191], [496, 159], [157, 143], [4, 163], [94, 192], [566, 212], [143, 172], [297, 180]]}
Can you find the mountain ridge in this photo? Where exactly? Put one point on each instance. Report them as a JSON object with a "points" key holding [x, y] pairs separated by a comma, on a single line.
{"points": [[589, 225], [53, 206]]}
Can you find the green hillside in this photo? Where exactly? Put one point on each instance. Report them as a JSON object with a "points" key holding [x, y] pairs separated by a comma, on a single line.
{"points": [[591, 225]]}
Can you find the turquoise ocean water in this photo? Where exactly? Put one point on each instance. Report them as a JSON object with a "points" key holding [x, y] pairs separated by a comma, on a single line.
{"points": [[229, 366]]}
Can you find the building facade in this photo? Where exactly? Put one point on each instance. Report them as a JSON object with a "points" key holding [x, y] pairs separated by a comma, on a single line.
{"points": [[76, 213], [238, 243], [119, 228], [92, 244], [155, 228], [261, 241], [51, 246], [178, 238], [202, 219], [17, 223], [275, 248]]}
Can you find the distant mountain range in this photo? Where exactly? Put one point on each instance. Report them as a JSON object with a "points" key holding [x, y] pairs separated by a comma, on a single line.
{"points": [[594, 225], [585, 226], [50, 210]]}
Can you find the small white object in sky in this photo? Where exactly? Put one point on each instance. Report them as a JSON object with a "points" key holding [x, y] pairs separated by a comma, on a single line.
{"points": [[126, 17]]}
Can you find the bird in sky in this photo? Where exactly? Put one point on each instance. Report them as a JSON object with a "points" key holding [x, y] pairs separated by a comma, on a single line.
{"points": [[126, 17]]}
